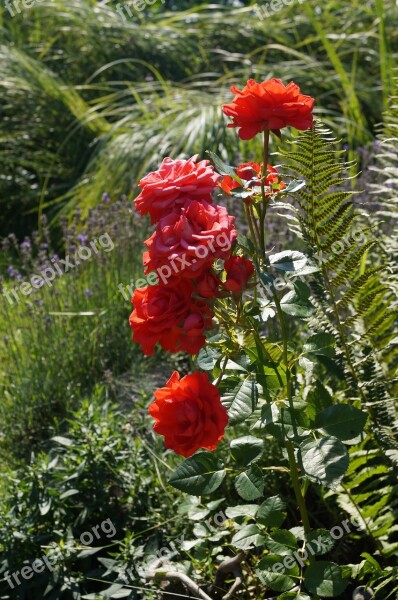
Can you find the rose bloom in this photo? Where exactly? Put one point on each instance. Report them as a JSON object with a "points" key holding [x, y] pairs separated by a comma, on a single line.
{"points": [[246, 172], [239, 270], [186, 245], [170, 316], [189, 414], [175, 184], [269, 105], [249, 171], [208, 285]]}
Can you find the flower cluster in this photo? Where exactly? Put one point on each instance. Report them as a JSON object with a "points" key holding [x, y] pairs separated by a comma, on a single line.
{"points": [[251, 174], [170, 316], [191, 234]]}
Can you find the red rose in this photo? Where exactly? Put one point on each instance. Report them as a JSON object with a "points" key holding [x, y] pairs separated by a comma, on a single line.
{"points": [[249, 171], [269, 105], [170, 316], [208, 285], [246, 171], [175, 184], [272, 181], [189, 413], [239, 270], [187, 244]]}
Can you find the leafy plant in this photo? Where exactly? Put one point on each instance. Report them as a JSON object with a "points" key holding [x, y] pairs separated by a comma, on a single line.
{"points": [[316, 394]]}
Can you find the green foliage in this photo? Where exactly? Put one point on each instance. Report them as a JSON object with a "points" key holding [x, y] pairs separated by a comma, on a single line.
{"points": [[312, 388], [368, 494], [325, 578], [200, 474], [308, 376], [99, 474], [56, 343], [92, 101], [355, 299]]}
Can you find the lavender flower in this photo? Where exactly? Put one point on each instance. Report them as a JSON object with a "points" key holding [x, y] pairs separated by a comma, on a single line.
{"points": [[13, 273], [82, 238]]}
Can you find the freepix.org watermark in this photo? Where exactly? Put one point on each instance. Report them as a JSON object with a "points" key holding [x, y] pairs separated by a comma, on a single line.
{"points": [[137, 5], [106, 528], [317, 546], [58, 268], [266, 10], [15, 7], [175, 266]]}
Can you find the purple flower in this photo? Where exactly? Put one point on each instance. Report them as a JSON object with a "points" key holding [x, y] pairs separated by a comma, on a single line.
{"points": [[89, 293], [106, 198], [82, 238], [13, 273]]}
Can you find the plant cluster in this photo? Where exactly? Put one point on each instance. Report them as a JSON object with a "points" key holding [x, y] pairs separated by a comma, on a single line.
{"points": [[318, 397]]}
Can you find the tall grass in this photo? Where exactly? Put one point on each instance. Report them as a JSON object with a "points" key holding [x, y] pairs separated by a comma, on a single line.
{"points": [[90, 98], [59, 341]]}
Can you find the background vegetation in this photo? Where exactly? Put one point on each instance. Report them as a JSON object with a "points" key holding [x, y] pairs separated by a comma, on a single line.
{"points": [[88, 104]]}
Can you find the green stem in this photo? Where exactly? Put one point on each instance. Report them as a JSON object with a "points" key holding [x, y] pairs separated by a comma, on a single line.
{"points": [[289, 388], [251, 225], [297, 488], [289, 446], [223, 368], [254, 221], [263, 210]]}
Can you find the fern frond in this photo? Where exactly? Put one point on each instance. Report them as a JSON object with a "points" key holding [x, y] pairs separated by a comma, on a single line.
{"points": [[370, 496], [354, 298]]}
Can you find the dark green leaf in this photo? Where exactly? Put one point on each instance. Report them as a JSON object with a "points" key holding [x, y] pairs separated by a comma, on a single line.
{"points": [[321, 541], [320, 343], [324, 461], [342, 421], [247, 537], [279, 423], [246, 243], [241, 510], [223, 168], [241, 401], [272, 572], [294, 596], [288, 260], [247, 449], [271, 512], [281, 542], [208, 358], [296, 306], [250, 484], [317, 399], [198, 475], [325, 579]]}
